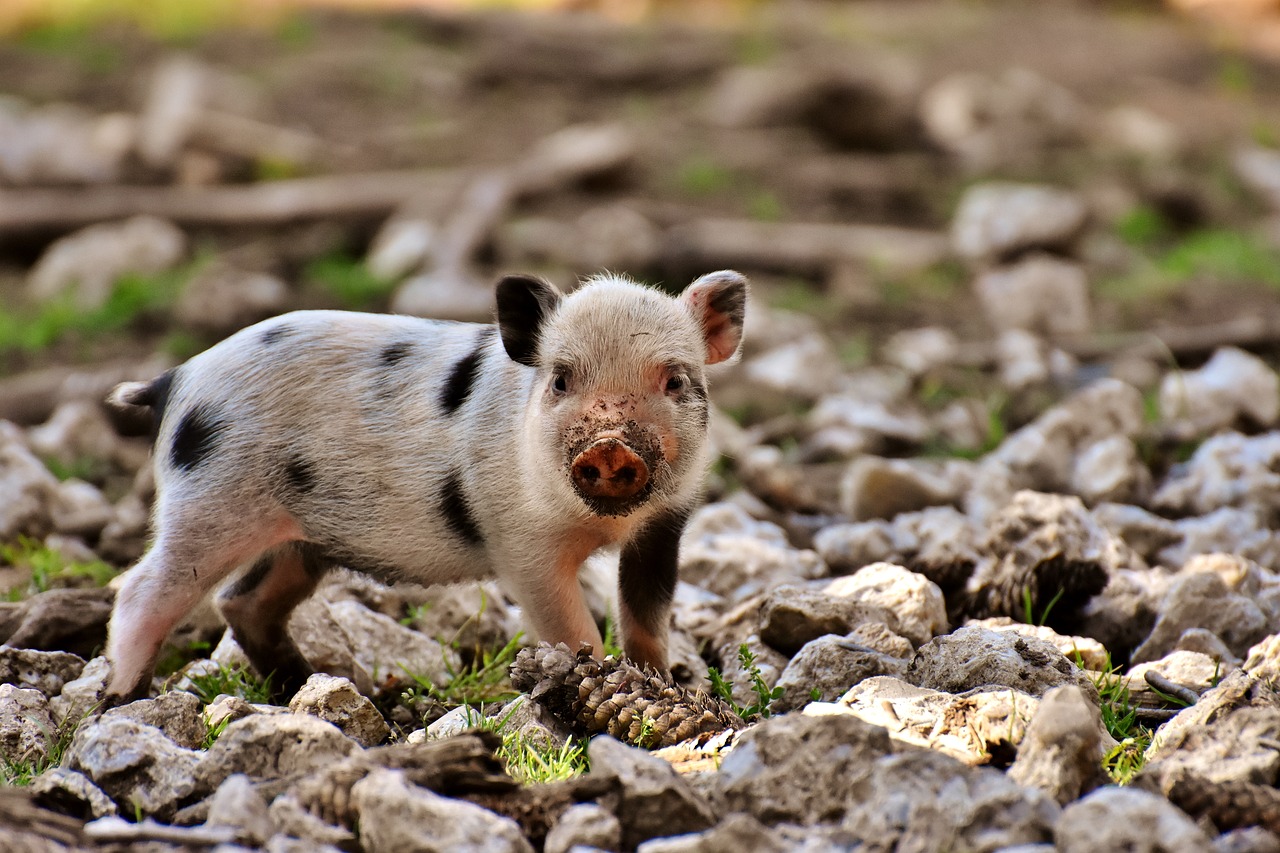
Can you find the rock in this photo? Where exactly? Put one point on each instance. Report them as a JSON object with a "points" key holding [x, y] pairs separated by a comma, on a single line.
{"points": [[737, 833], [1255, 839], [585, 824], [1110, 470], [999, 220], [64, 620], [747, 96], [1227, 470], [1127, 819], [577, 153], [78, 430], [466, 616], [1231, 387], [178, 91], [71, 793], [267, 747], [1039, 293], [1202, 600], [79, 696], [446, 293], [87, 263], [1195, 670], [729, 553], [798, 768], [975, 727], [975, 658], [336, 700], [26, 728], [779, 482], [1026, 361], [401, 246], [62, 144], [1062, 751], [46, 672], [293, 819], [794, 615], [846, 424], [877, 637], [921, 351], [1259, 169], [928, 801], [1085, 652], [915, 601], [1045, 549], [1244, 532], [653, 801], [392, 813], [769, 665], [1209, 644], [221, 299], [79, 509], [829, 666], [28, 487], [136, 765], [1143, 531], [873, 487], [1124, 612], [179, 715], [238, 806], [804, 369]]}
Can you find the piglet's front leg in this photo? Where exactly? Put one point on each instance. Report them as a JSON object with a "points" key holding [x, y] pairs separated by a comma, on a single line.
{"points": [[547, 587], [646, 585]]}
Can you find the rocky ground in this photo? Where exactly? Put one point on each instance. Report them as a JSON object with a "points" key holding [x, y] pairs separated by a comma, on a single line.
{"points": [[990, 555]]}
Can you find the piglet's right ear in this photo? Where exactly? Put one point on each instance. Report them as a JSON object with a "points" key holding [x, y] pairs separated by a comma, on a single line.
{"points": [[524, 304], [718, 301]]}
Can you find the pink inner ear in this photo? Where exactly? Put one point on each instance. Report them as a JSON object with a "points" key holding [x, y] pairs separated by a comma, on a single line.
{"points": [[722, 343]]}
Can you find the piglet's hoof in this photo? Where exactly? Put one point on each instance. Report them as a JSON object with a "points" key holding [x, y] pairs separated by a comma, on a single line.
{"points": [[609, 469]]}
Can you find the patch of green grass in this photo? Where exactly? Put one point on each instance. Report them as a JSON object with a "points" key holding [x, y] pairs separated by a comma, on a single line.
{"points": [[1234, 75], [766, 207], [39, 327], [74, 39], [484, 680], [233, 681], [1029, 615], [1142, 226], [212, 733], [296, 32], [765, 696], [87, 468], [612, 647], [701, 177], [529, 761], [267, 168], [349, 280], [48, 568], [173, 658], [803, 297], [1223, 255], [1120, 716]]}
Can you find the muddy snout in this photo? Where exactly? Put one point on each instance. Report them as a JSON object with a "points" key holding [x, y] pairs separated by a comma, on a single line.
{"points": [[609, 469]]}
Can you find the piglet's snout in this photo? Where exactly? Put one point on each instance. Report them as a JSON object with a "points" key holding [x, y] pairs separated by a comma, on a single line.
{"points": [[609, 469]]}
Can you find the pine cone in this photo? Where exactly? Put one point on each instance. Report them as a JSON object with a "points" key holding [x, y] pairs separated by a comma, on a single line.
{"points": [[1230, 805], [637, 706]]}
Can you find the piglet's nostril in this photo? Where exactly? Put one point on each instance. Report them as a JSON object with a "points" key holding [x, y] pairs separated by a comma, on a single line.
{"points": [[589, 472]]}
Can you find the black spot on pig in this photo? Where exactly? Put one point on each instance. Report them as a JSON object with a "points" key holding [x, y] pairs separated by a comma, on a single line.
{"points": [[647, 568], [276, 333], [196, 437], [300, 475], [457, 512], [251, 579], [524, 303], [393, 354], [463, 376], [731, 302]]}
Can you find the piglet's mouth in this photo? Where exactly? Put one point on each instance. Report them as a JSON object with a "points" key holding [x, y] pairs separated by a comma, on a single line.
{"points": [[610, 477]]}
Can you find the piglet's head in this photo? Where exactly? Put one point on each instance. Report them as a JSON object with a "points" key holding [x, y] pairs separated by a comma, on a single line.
{"points": [[620, 403]]}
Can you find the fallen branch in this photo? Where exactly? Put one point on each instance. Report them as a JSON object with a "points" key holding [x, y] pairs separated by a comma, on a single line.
{"points": [[371, 195]]}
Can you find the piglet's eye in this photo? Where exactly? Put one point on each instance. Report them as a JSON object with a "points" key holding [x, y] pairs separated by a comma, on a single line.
{"points": [[560, 382], [675, 384]]}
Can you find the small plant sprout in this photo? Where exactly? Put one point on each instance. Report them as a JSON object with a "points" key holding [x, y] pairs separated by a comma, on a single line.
{"points": [[765, 695], [484, 680], [232, 681], [531, 760]]}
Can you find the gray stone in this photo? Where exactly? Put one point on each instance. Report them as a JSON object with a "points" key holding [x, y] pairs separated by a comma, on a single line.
{"points": [[1232, 386], [794, 615], [1110, 470], [79, 509], [62, 144], [830, 665], [179, 715], [401, 246], [221, 299], [70, 792], [1203, 600], [28, 487], [27, 730], [585, 824], [994, 220], [1243, 531], [78, 429], [87, 263], [915, 601], [1062, 751], [238, 806], [336, 700], [392, 813], [798, 769], [919, 351], [1040, 293], [873, 487], [803, 369], [653, 801], [136, 765], [1254, 839], [447, 293], [47, 672], [737, 833], [731, 554], [467, 616], [1127, 819], [1259, 169], [971, 658], [1085, 652], [294, 820], [272, 746], [81, 695], [1143, 531], [923, 800], [1227, 470]]}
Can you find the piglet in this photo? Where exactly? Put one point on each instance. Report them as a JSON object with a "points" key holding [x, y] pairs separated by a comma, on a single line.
{"points": [[433, 452]]}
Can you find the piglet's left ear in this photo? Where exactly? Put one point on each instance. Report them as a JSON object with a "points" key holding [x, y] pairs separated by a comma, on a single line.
{"points": [[718, 300]]}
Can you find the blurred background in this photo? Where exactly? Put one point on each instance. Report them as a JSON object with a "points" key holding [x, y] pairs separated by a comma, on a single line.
{"points": [[1003, 199]]}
